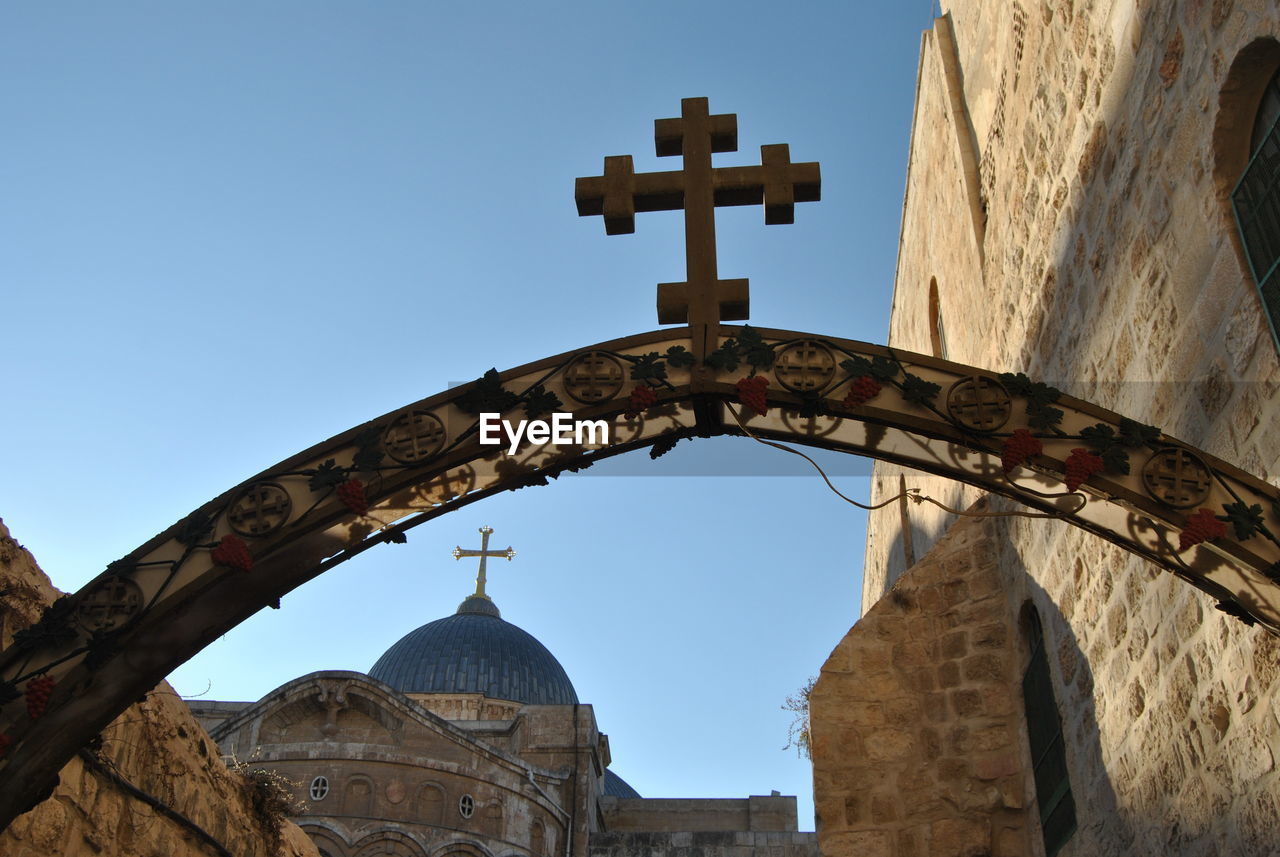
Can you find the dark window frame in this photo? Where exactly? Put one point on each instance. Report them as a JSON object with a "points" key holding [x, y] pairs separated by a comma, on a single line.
{"points": [[1255, 204], [1047, 743]]}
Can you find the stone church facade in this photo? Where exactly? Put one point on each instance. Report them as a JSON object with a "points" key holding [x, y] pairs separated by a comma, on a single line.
{"points": [[467, 739], [1016, 686]]}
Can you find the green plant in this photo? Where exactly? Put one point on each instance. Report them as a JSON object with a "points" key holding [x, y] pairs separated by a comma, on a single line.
{"points": [[798, 734]]}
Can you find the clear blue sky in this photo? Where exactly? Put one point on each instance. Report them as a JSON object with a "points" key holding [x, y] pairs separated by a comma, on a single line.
{"points": [[233, 230]]}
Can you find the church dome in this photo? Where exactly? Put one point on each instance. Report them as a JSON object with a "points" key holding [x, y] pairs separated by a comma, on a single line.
{"points": [[475, 651], [618, 787]]}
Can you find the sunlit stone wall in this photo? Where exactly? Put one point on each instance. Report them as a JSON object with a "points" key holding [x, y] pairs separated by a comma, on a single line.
{"points": [[1068, 171]]}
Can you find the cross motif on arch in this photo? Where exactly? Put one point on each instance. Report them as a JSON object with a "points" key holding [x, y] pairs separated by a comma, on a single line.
{"points": [[620, 192]]}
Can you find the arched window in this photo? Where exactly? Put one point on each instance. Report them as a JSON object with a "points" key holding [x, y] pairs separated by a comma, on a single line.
{"points": [[1256, 203], [1048, 752]]}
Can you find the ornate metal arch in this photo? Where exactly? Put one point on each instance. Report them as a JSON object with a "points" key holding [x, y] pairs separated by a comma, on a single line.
{"points": [[106, 645]]}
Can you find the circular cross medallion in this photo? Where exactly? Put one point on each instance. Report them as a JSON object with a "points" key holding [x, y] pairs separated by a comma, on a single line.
{"points": [[413, 437], [109, 604], [260, 509], [805, 367], [979, 403], [593, 376], [1177, 478], [466, 806]]}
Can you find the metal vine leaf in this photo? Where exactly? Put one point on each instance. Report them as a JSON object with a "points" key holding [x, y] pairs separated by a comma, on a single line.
{"points": [[1104, 441], [880, 368], [539, 400], [327, 475], [51, 629], [368, 449], [918, 391], [195, 528], [758, 353], [1043, 417], [748, 347], [487, 396], [1135, 434], [679, 357], [1247, 520], [8, 691], [1040, 398], [725, 358], [648, 367]]}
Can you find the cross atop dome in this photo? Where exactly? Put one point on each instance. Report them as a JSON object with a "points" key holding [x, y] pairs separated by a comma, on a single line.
{"points": [[484, 553]]}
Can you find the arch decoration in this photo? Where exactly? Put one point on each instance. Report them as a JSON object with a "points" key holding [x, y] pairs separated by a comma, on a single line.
{"points": [[95, 651], [148, 612]]}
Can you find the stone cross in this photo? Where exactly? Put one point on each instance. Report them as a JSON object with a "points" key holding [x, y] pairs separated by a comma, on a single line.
{"points": [[484, 553], [703, 299]]}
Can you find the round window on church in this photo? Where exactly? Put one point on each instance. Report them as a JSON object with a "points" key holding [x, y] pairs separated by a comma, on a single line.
{"points": [[466, 805], [319, 788]]}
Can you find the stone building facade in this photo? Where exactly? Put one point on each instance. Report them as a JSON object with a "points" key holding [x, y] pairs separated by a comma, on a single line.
{"points": [[1067, 215], [467, 739]]}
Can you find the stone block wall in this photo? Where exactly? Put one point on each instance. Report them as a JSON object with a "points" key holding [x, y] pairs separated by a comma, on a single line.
{"points": [[1107, 264], [156, 746], [919, 746], [755, 813], [704, 844]]}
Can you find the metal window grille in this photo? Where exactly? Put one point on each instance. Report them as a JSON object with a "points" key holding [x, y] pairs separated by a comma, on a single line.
{"points": [[1048, 752], [319, 788], [1256, 204]]}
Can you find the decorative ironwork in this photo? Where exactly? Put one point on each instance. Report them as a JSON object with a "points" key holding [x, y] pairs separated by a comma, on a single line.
{"points": [[1177, 478], [109, 604], [979, 403], [260, 509], [414, 437], [52, 629], [1231, 550], [805, 367], [594, 376]]}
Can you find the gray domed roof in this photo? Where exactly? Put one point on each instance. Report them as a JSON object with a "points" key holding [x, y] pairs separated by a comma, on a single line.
{"points": [[475, 651], [617, 786]]}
